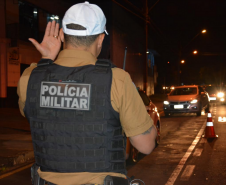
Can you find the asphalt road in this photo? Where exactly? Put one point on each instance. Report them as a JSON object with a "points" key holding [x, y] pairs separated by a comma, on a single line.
{"points": [[183, 157]]}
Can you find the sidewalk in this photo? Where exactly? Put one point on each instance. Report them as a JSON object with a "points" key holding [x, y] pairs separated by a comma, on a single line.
{"points": [[15, 138]]}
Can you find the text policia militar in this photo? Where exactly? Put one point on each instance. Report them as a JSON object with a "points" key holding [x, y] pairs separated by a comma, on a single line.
{"points": [[65, 95]]}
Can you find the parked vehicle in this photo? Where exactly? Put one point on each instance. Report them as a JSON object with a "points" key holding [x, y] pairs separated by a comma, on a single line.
{"points": [[186, 99], [131, 152]]}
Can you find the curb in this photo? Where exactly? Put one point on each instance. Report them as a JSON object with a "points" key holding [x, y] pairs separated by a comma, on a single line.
{"points": [[14, 170], [23, 158], [9, 163]]}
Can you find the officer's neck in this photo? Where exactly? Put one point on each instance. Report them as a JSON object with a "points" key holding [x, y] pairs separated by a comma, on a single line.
{"points": [[92, 49]]}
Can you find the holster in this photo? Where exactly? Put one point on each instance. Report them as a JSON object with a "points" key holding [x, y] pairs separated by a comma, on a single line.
{"points": [[111, 180], [35, 178]]}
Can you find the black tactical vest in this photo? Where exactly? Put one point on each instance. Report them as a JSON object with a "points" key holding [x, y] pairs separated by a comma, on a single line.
{"points": [[74, 127]]}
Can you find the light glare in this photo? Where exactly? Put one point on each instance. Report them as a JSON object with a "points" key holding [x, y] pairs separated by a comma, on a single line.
{"points": [[194, 101], [221, 119], [204, 31], [220, 94], [166, 102]]}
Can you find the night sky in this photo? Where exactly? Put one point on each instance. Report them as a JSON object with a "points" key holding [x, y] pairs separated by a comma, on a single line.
{"points": [[176, 24]]}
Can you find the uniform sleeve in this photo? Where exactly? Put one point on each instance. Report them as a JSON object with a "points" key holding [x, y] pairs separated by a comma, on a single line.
{"points": [[22, 87], [133, 114], [126, 100]]}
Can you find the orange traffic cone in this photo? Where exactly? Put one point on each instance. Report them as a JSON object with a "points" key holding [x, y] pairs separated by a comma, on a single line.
{"points": [[209, 132]]}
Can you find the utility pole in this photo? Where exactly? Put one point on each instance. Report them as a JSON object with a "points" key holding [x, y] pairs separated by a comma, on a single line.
{"points": [[146, 46], [179, 63], [147, 21]]}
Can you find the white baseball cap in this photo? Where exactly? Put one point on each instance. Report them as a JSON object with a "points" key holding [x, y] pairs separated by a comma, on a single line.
{"points": [[87, 15]]}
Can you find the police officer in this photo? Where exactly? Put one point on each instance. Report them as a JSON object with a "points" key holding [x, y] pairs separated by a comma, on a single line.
{"points": [[77, 106]]}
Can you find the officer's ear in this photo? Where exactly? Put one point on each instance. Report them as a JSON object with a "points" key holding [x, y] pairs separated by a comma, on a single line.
{"points": [[61, 35], [100, 40]]}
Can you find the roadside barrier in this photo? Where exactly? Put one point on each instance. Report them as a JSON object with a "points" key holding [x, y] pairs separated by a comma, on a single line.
{"points": [[209, 131]]}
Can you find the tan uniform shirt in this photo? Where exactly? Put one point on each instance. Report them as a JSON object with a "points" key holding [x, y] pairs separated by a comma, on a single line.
{"points": [[124, 99]]}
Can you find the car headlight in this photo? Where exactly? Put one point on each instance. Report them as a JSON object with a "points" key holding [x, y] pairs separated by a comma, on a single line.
{"points": [[166, 103], [194, 101], [220, 95]]}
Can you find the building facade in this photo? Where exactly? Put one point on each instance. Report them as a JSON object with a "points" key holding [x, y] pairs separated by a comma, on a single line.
{"points": [[20, 20]]}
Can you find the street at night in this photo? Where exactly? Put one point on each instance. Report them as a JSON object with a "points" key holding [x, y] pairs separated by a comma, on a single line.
{"points": [[183, 157], [78, 78]]}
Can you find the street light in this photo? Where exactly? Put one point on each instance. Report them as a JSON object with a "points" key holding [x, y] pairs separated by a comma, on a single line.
{"points": [[181, 51], [204, 31], [195, 52]]}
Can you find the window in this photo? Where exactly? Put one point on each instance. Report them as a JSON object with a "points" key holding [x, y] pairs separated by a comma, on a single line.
{"points": [[184, 91], [51, 17], [28, 18], [33, 21]]}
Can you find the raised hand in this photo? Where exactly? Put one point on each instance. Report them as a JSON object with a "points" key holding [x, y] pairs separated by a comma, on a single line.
{"points": [[51, 43]]}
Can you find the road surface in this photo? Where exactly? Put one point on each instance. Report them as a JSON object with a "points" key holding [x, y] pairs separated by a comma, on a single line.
{"points": [[183, 157]]}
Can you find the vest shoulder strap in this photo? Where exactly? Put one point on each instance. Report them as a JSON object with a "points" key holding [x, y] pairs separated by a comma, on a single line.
{"points": [[104, 63], [44, 62]]}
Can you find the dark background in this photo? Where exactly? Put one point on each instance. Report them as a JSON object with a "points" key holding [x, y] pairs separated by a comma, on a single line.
{"points": [[176, 24]]}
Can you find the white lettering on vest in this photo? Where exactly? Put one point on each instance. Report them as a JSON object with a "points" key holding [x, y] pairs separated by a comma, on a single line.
{"points": [[44, 89], [45, 101], [52, 90], [62, 102], [55, 102], [84, 92], [77, 91], [71, 93], [75, 103], [68, 101], [52, 101], [65, 96], [83, 103], [65, 90], [59, 93]]}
